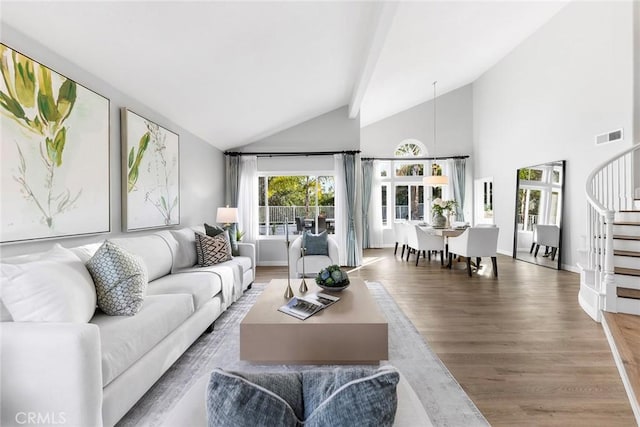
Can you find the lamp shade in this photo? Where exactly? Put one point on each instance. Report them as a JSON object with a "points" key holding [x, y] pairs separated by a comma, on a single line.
{"points": [[227, 215], [436, 180]]}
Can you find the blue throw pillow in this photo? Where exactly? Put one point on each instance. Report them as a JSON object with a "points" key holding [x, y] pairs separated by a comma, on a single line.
{"points": [[264, 399], [349, 397], [316, 244], [335, 397]]}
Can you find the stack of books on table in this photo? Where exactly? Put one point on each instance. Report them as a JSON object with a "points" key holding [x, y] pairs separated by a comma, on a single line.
{"points": [[304, 307]]}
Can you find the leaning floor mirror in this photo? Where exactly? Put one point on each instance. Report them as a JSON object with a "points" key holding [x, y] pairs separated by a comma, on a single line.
{"points": [[537, 236]]}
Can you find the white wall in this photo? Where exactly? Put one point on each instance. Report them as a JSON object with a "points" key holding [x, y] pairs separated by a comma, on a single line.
{"points": [[454, 131], [636, 87], [201, 165], [454, 135], [333, 131], [545, 101]]}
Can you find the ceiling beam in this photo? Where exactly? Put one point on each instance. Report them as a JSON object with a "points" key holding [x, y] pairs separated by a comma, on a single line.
{"points": [[383, 25]]}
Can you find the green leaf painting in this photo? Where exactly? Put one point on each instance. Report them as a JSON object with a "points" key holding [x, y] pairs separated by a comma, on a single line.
{"points": [[150, 158], [40, 128]]}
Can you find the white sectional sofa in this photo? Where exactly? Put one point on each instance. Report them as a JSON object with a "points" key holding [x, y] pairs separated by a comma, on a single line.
{"points": [[91, 374]]}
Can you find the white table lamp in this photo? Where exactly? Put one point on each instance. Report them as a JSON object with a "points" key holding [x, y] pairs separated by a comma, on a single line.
{"points": [[227, 215]]}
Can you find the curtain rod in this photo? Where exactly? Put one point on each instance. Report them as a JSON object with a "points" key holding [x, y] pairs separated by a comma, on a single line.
{"points": [[415, 158], [288, 154]]}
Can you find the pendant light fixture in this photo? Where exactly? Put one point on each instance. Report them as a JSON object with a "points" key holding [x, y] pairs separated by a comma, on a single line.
{"points": [[435, 180]]}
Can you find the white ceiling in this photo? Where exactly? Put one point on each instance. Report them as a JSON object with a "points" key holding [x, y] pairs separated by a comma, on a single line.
{"points": [[233, 72]]}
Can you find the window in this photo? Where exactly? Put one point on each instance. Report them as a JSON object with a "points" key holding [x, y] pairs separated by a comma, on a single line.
{"points": [[296, 202], [403, 194], [409, 202], [385, 204]]}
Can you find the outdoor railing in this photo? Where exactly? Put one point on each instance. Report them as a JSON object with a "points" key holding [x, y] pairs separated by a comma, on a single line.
{"points": [[277, 214], [272, 218]]}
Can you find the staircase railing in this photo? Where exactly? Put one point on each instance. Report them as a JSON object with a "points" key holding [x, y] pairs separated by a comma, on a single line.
{"points": [[609, 188]]}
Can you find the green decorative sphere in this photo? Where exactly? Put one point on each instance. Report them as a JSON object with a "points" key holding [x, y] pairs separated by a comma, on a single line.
{"points": [[332, 278]]}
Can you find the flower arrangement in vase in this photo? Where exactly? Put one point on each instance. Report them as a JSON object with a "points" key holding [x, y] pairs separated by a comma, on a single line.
{"points": [[439, 207]]}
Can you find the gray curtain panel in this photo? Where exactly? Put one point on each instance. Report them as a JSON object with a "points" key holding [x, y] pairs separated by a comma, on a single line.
{"points": [[458, 181], [349, 162], [232, 165], [367, 184]]}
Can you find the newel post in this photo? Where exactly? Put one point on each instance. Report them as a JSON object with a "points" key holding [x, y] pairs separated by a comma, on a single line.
{"points": [[609, 282]]}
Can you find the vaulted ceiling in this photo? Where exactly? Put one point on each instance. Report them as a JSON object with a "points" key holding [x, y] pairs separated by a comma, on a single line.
{"points": [[234, 72]]}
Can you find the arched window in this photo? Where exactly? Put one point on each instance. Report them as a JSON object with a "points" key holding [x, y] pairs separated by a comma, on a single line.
{"points": [[410, 148], [403, 194]]}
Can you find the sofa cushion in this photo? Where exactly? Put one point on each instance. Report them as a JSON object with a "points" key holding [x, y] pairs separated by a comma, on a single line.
{"points": [[202, 286], [120, 278], [53, 286], [212, 250], [185, 255], [227, 273], [243, 261], [153, 250], [125, 339]]}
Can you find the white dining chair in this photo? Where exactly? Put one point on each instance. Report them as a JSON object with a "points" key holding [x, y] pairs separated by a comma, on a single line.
{"points": [[400, 232], [423, 242], [476, 242], [548, 236]]}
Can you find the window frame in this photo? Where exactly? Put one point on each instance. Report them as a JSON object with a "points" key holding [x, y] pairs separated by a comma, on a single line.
{"points": [[270, 173]]}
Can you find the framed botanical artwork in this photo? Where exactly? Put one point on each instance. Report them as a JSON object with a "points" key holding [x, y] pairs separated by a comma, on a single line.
{"points": [[54, 153], [150, 174]]}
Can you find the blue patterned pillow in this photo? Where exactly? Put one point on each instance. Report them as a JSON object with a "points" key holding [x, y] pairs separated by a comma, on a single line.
{"points": [[265, 399], [316, 244], [349, 397], [120, 278], [337, 397]]}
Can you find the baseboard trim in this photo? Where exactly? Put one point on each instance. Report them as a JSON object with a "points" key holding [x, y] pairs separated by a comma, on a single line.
{"points": [[272, 263], [635, 407]]}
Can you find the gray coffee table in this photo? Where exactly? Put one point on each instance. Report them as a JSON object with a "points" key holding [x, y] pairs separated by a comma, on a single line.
{"points": [[351, 331]]}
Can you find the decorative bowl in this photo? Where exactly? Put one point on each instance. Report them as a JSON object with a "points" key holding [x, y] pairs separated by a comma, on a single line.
{"points": [[334, 288], [332, 279]]}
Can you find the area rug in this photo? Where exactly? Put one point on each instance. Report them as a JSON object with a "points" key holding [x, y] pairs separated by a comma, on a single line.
{"points": [[444, 400]]}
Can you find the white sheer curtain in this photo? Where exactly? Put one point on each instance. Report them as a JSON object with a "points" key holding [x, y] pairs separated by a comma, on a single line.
{"points": [[248, 197], [375, 209], [341, 214]]}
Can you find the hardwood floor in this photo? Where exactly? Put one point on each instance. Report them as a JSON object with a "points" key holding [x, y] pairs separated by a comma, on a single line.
{"points": [[625, 331], [519, 344]]}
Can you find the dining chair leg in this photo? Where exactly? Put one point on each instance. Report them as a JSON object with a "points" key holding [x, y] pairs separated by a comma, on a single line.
{"points": [[417, 257], [537, 249], [494, 261], [442, 258], [395, 251], [533, 245], [403, 248], [408, 252], [478, 259], [450, 260], [469, 265]]}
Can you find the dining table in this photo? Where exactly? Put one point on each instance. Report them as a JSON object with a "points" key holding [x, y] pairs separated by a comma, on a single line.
{"points": [[444, 232]]}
